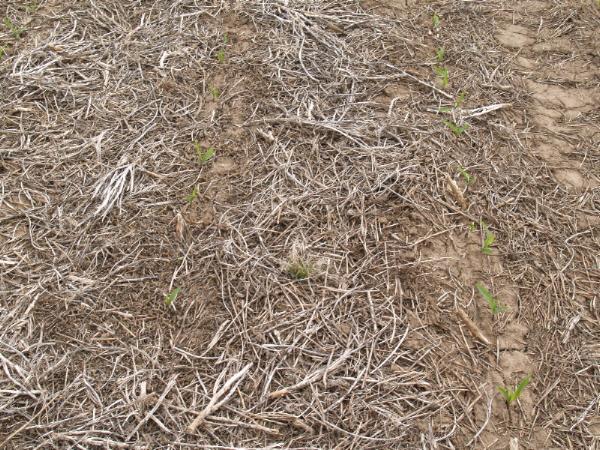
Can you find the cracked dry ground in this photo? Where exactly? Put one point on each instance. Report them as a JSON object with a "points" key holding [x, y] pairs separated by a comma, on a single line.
{"points": [[332, 159]]}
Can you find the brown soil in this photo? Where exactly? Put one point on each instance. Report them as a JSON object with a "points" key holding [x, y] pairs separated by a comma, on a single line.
{"points": [[328, 254]]}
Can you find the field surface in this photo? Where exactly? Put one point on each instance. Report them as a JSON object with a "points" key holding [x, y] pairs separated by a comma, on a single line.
{"points": [[284, 224]]}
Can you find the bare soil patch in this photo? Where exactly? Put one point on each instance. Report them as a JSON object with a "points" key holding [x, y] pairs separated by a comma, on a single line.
{"points": [[327, 186]]}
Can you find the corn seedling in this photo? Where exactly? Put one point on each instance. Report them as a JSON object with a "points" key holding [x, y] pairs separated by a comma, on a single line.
{"points": [[511, 395], [488, 240], [436, 21], [215, 92], [14, 29], [466, 175], [443, 76], [460, 99], [493, 303], [203, 155], [221, 56], [32, 7], [440, 53], [171, 296], [2, 52], [455, 128], [299, 269], [226, 39], [472, 227], [192, 196]]}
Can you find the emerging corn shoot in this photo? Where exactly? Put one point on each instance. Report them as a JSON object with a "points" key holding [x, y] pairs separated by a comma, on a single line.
{"points": [[456, 129], [15, 30], [171, 296], [440, 53], [192, 196], [299, 269], [460, 99], [511, 395], [204, 155], [488, 240], [215, 92], [466, 175], [492, 302], [443, 76]]}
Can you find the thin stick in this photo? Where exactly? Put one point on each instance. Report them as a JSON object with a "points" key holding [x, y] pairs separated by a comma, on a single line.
{"points": [[168, 388], [472, 327], [219, 398], [312, 377]]}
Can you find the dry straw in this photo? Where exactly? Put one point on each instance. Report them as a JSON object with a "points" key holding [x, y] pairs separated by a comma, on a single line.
{"points": [[327, 133]]}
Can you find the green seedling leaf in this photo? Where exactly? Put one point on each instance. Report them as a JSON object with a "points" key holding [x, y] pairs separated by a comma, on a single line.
{"points": [[221, 56], [32, 7], [299, 270], [488, 241], [204, 155], [460, 99], [511, 395], [495, 307], [207, 155], [192, 196], [456, 129], [171, 296], [15, 30], [505, 393], [472, 227], [2, 52], [226, 39], [444, 109], [522, 385], [440, 53], [436, 21], [215, 92], [466, 175], [443, 75]]}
